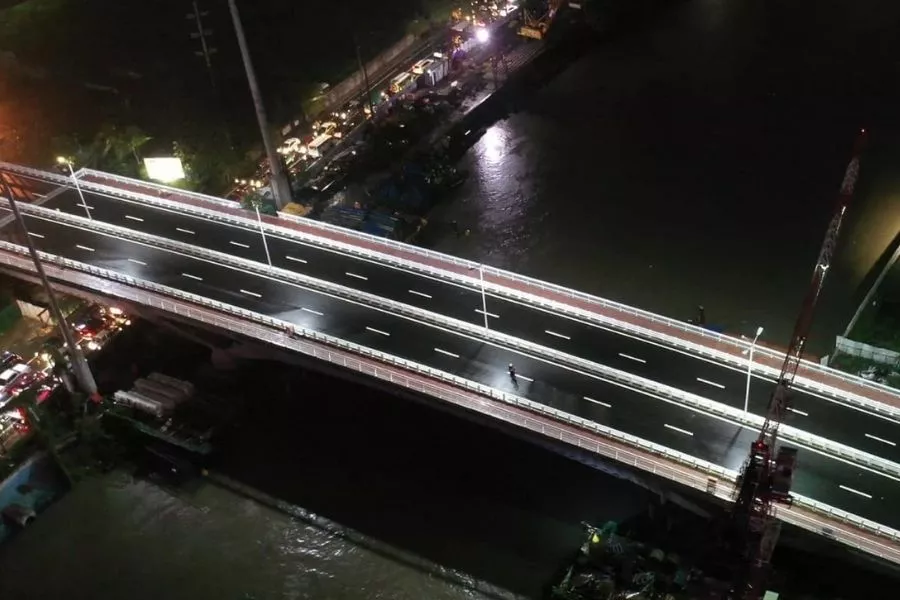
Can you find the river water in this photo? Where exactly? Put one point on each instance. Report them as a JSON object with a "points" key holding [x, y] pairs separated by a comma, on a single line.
{"points": [[691, 161], [696, 161]]}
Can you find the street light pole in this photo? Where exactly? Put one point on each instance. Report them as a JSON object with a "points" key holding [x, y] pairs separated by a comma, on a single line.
{"points": [[262, 232], [79, 365], [759, 331], [281, 187], [64, 161], [483, 294]]}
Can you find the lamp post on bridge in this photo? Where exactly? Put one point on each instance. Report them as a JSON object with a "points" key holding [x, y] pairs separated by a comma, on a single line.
{"points": [[256, 201], [62, 160], [80, 367], [749, 351], [484, 311]]}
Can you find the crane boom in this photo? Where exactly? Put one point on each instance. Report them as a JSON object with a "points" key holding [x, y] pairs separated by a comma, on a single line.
{"points": [[778, 402], [767, 476]]}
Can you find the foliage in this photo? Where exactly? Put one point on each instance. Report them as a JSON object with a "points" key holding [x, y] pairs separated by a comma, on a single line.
{"points": [[211, 164], [18, 22]]}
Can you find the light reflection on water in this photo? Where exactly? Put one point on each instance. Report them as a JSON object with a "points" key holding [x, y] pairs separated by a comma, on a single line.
{"points": [[688, 164], [134, 540]]}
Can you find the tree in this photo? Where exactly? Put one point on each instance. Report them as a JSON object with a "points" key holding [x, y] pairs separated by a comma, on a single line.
{"points": [[116, 149], [112, 149]]}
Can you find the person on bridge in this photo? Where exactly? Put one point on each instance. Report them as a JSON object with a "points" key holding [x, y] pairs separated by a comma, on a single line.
{"points": [[512, 372]]}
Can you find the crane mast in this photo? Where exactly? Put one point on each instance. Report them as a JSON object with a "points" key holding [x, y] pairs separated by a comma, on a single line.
{"points": [[766, 477]]}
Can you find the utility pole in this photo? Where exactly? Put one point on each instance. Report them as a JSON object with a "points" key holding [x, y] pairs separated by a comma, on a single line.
{"points": [[79, 365], [281, 187], [362, 67], [206, 51]]}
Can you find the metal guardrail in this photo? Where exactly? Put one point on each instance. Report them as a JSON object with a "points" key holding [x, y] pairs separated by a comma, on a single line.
{"points": [[330, 349], [392, 245], [715, 337], [603, 372]]}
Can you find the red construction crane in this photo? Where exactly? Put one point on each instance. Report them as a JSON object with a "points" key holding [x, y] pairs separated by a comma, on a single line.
{"points": [[767, 476]]}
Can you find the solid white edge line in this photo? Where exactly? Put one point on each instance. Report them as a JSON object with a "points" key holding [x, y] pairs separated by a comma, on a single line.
{"points": [[249, 293], [604, 404], [295, 259], [138, 262], [712, 383], [678, 429], [238, 244], [349, 274], [296, 240], [798, 411], [37, 235], [634, 358], [481, 312], [523, 377], [84, 248], [878, 439], [134, 218], [720, 364], [87, 206], [424, 295], [447, 353], [378, 331], [189, 276], [857, 492], [559, 335], [696, 357], [470, 337]]}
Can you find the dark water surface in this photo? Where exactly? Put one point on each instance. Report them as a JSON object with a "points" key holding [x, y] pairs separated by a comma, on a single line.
{"points": [[697, 161]]}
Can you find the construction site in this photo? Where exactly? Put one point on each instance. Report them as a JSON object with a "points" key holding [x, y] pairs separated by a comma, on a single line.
{"points": [[731, 559]]}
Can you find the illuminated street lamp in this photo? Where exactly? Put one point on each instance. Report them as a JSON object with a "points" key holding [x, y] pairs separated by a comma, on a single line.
{"points": [[749, 351], [62, 160], [483, 294], [482, 35]]}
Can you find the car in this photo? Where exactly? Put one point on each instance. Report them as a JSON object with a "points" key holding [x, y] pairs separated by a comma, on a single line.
{"points": [[8, 359], [10, 375], [46, 390], [90, 326], [25, 381]]}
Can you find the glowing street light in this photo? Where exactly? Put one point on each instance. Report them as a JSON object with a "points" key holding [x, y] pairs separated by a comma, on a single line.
{"points": [[484, 311], [482, 35], [759, 331], [62, 160]]}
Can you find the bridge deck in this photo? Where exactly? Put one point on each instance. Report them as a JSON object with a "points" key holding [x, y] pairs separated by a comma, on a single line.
{"points": [[669, 424]]}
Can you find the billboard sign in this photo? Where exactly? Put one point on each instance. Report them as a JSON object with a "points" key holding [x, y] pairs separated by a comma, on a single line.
{"points": [[165, 170]]}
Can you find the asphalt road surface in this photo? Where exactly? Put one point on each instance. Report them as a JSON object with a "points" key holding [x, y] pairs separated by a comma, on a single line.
{"points": [[822, 477], [817, 414]]}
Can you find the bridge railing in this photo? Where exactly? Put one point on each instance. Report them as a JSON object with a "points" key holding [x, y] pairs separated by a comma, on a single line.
{"points": [[392, 247], [569, 361], [352, 356], [565, 360]]}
